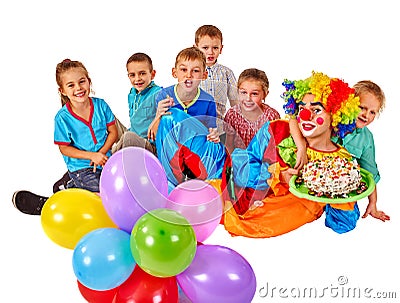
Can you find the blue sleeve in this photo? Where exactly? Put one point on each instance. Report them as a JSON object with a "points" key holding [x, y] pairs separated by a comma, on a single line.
{"points": [[161, 95], [108, 114], [165, 92], [212, 114], [61, 132]]}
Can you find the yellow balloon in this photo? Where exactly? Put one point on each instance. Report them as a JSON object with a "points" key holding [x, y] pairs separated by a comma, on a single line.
{"points": [[70, 214]]}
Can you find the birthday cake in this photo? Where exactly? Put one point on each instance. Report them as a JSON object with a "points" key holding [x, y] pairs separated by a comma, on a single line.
{"points": [[332, 177]]}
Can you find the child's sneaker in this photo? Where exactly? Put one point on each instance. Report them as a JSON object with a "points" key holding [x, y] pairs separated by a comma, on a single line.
{"points": [[62, 183], [28, 202]]}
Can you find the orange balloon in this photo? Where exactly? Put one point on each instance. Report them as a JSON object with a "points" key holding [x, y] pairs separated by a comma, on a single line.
{"points": [[70, 214]]}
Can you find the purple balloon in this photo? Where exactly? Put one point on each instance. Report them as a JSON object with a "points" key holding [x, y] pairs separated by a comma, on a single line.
{"points": [[132, 183], [218, 274]]}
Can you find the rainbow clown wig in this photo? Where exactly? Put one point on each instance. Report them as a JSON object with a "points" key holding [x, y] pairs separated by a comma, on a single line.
{"points": [[335, 95]]}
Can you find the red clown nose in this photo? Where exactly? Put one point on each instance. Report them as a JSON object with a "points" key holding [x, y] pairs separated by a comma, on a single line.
{"points": [[305, 114]]}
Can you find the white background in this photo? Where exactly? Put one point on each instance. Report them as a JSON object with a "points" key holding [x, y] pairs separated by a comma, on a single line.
{"points": [[353, 40]]}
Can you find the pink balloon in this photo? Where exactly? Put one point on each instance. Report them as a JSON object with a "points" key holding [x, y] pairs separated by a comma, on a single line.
{"points": [[132, 183], [200, 203]]}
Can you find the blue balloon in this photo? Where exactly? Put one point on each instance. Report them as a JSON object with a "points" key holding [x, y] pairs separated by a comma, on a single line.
{"points": [[102, 259]]}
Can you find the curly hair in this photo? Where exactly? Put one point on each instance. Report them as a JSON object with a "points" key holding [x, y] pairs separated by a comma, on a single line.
{"points": [[337, 97]]}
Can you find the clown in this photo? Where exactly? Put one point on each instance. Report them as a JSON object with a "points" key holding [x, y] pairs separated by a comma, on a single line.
{"points": [[253, 181], [324, 107]]}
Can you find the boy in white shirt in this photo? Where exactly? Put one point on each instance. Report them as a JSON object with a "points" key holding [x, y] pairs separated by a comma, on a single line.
{"points": [[221, 82]]}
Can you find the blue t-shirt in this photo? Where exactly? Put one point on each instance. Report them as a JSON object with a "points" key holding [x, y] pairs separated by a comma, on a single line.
{"points": [[70, 129], [202, 106], [142, 108]]}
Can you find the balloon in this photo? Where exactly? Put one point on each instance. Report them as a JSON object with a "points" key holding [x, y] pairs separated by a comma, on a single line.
{"points": [[218, 274], [102, 259], [200, 203], [142, 287], [97, 296], [70, 214], [132, 182], [163, 243]]}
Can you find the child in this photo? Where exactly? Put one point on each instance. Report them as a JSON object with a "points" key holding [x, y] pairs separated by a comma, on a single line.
{"points": [[141, 102], [189, 70], [84, 131], [244, 119], [221, 81], [360, 143]]}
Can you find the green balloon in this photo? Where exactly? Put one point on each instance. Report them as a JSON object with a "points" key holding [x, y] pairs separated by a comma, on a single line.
{"points": [[163, 242]]}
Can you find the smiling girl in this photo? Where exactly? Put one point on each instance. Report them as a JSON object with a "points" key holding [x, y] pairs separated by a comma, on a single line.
{"points": [[85, 126], [84, 131], [243, 120]]}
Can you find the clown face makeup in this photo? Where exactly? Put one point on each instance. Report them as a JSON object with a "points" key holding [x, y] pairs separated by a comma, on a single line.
{"points": [[335, 95], [313, 120]]}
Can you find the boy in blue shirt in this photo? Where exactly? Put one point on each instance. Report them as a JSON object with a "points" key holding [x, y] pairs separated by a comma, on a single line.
{"points": [[186, 95], [141, 102]]}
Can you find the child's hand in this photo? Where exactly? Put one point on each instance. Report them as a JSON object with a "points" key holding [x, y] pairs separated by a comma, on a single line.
{"points": [[301, 158], [98, 159], [213, 135], [153, 127], [163, 106], [375, 213]]}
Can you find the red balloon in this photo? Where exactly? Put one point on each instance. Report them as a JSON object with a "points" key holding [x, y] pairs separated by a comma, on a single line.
{"points": [[142, 287], [97, 296]]}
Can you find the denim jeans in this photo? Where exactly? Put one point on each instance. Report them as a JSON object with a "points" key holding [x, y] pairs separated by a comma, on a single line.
{"points": [[85, 178]]}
